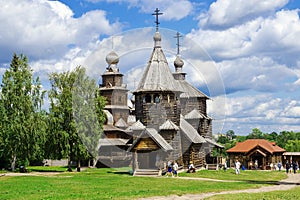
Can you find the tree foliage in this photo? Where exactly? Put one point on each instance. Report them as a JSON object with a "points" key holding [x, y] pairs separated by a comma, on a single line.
{"points": [[22, 124], [76, 116]]}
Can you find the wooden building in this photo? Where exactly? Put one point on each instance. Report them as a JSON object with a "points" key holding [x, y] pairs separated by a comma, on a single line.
{"points": [[168, 120], [291, 156], [260, 150]]}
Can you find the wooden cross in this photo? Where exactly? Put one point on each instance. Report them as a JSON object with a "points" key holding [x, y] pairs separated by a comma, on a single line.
{"points": [[178, 45], [156, 12]]}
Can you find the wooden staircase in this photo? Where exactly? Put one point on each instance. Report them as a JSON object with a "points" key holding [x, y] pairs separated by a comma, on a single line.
{"points": [[147, 172], [212, 166]]}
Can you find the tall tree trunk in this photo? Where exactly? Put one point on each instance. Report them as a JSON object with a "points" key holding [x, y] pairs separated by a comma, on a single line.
{"points": [[95, 160], [13, 162], [78, 165], [69, 165]]}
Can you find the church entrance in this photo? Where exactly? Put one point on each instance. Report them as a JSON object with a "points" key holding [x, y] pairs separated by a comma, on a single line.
{"points": [[147, 160]]}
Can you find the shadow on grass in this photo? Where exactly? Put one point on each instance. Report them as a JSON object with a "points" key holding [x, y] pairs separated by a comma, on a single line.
{"points": [[120, 172], [270, 182]]}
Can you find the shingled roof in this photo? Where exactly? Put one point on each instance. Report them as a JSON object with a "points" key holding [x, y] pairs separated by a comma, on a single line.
{"points": [[189, 132], [189, 91], [250, 144], [157, 75], [168, 125]]}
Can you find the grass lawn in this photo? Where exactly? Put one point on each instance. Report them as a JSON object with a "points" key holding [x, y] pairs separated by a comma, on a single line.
{"points": [[247, 175], [119, 184]]}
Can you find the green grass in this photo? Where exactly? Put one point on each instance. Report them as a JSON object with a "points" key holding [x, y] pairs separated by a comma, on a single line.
{"points": [[247, 175], [118, 184]]}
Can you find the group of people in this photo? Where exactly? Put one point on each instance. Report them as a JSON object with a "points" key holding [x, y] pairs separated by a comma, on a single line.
{"points": [[291, 166], [172, 169]]}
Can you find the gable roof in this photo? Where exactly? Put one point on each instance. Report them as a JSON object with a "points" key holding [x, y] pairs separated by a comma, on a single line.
{"points": [[250, 144], [157, 138], [194, 114], [189, 132], [189, 90], [210, 141], [121, 123], [136, 126], [168, 125]]}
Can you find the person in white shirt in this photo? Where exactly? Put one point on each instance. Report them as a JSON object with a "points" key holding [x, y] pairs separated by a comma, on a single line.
{"points": [[175, 168], [237, 167]]}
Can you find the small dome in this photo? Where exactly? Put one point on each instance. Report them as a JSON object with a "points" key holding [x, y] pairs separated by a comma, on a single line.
{"points": [[178, 63], [157, 39], [112, 58], [157, 36]]}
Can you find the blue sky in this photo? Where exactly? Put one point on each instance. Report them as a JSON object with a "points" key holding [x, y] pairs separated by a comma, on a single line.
{"points": [[244, 54]]}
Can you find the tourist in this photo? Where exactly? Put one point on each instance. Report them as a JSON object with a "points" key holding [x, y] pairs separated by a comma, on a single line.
{"points": [[237, 167], [250, 164], [295, 167], [279, 166], [256, 164], [291, 167], [225, 165], [191, 168], [271, 166], [287, 167], [169, 169], [175, 169]]}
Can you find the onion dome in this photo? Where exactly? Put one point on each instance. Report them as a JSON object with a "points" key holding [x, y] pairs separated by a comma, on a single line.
{"points": [[178, 63], [112, 58], [157, 39]]}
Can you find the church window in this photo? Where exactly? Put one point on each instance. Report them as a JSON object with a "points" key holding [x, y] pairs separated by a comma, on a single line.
{"points": [[156, 98], [171, 97], [148, 98]]}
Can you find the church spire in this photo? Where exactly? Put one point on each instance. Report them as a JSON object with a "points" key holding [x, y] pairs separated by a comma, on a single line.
{"points": [[177, 44], [157, 13], [178, 63], [157, 37]]}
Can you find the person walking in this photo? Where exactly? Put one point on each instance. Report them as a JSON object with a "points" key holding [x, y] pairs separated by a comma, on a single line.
{"points": [[175, 169], [237, 167], [169, 169], [279, 165], [295, 167], [287, 167]]}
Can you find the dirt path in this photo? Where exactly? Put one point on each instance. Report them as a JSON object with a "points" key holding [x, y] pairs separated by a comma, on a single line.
{"points": [[31, 174], [292, 181]]}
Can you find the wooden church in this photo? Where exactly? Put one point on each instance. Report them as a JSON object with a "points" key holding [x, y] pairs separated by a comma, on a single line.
{"points": [[167, 122]]}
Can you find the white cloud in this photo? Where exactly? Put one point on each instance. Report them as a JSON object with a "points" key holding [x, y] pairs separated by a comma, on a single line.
{"points": [[256, 73], [264, 111], [60, 9], [47, 30], [227, 13], [273, 36]]}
